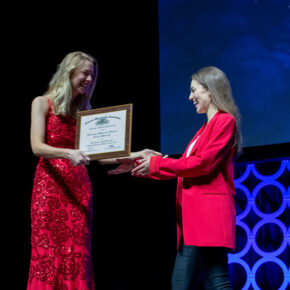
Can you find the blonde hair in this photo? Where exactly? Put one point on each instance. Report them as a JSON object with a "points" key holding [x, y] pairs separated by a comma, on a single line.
{"points": [[219, 86], [60, 90]]}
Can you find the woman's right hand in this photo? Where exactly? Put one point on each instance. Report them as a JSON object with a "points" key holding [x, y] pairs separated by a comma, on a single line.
{"points": [[136, 158], [77, 157]]}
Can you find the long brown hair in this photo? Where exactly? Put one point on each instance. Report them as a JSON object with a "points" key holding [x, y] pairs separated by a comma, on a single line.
{"points": [[219, 86]]}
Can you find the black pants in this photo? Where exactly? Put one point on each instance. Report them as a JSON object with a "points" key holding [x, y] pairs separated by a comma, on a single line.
{"points": [[212, 261]]}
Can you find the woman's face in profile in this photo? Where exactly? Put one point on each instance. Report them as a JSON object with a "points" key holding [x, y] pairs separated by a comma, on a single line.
{"points": [[82, 77], [200, 96]]}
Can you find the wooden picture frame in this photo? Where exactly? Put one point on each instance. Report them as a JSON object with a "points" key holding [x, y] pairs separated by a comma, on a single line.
{"points": [[105, 132]]}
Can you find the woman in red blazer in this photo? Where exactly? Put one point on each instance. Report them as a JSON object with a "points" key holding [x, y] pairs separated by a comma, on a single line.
{"points": [[205, 205]]}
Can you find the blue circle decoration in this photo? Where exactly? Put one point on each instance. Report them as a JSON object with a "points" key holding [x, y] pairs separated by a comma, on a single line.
{"points": [[253, 219]]}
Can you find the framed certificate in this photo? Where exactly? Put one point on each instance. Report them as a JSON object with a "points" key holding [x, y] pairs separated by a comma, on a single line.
{"points": [[105, 132]]}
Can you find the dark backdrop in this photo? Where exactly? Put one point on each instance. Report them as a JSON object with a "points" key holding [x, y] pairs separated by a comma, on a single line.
{"points": [[249, 41], [133, 222]]}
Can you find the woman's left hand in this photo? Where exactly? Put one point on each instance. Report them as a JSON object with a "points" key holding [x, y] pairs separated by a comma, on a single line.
{"points": [[128, 163], [143, 168], [145, 153]]}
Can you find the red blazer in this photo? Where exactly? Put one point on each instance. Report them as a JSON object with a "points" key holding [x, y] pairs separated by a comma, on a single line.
{"points": [[205, 207]]}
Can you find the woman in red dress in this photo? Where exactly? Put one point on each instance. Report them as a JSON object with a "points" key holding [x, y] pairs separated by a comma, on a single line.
{"points": [[205, 206], [61, 205]]}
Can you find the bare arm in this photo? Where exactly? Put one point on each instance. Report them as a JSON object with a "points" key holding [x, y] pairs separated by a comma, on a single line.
{"points": [[39, 111]]}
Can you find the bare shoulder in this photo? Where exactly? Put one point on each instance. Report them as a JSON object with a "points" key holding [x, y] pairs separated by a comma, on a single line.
{"points": [[40, 102]]}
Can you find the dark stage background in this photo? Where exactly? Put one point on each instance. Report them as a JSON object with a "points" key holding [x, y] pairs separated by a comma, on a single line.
{"points": [[134, 222], [250, 41], [134, 219]]}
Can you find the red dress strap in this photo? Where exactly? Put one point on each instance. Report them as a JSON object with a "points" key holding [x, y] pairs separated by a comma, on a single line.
{"points": [[49, 101], [50, 104]]}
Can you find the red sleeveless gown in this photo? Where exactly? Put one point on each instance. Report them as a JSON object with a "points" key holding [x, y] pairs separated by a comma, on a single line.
{"points": [[61, 212]]}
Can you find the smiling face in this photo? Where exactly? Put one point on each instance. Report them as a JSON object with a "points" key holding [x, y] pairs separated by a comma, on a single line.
{"points": [[200, 96], [82, 78]]}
